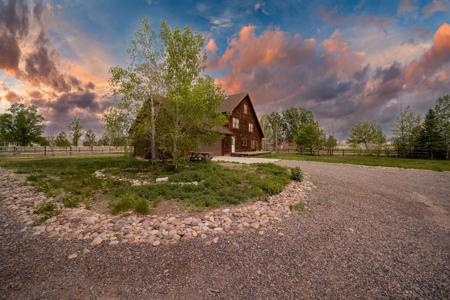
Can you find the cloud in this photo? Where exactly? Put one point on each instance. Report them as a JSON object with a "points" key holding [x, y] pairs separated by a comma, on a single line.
{"points": [[329, 16], [14, 25], [11, 97], [211, 46], [421, 32], [279, 70], [59, 87], [260, 7], [436, 6], [406, 6]]}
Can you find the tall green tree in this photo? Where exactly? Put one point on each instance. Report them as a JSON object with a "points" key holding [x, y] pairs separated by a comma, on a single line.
{"points": [[191, 108], [442, 109], [405, 132], [330, 144], [76, 130], [367, 133], [21, 125], [89, 138], [430, 142], [272, 125], [309, 136], [293, 119], [116, 129], [61, 140], [141, 83]]}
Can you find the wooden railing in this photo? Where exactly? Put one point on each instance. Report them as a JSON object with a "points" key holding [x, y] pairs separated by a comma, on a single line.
{"points": [[62, 151]]}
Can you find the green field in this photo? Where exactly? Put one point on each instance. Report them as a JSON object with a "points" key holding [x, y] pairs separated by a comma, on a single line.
{"points": [[195, 185], [407, 163]]}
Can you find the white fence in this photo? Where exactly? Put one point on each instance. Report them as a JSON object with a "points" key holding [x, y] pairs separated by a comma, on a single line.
{"points": [[62, 151]]}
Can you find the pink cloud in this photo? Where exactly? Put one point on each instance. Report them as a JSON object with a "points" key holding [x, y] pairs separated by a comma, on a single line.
{"points": [[406, 6], [436, 6], [211, 46]]}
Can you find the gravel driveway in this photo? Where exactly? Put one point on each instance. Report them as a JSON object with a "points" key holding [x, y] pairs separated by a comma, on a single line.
{"points": [[368, 232]]}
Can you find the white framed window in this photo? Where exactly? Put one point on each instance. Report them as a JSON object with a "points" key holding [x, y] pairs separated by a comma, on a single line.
{"points": [[253, 143], [250, 127], [236, 123], [245, 108]]}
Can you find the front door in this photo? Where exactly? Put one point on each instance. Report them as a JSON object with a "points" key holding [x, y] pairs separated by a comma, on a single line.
{"points": [[233, 144]]}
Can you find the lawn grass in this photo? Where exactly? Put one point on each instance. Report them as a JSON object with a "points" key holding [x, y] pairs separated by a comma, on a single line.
{"points": [[73, 181], [407, 163]]}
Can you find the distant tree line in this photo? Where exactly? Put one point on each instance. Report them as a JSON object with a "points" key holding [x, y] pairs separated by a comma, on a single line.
{"points": [[411, 137], [24, 126]]}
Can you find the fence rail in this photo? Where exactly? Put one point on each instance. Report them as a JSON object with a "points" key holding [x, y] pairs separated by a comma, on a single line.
{"points": [[62, 151]]}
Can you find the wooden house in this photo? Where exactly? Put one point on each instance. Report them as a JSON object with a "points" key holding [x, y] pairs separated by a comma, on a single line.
{"points": [[242, 133]]}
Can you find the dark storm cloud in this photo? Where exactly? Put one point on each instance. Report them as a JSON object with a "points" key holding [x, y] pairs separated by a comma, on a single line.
{"points": [[14, 25], [327, 88], [59, 95]]}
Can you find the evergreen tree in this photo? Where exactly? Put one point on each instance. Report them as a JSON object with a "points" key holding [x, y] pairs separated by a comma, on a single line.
{"points": [[430, 142]]}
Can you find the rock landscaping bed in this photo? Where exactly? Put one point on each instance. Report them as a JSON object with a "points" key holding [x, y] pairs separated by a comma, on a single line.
{"points": [[97, 228]]}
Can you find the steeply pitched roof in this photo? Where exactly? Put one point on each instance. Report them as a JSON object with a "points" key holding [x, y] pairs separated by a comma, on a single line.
{"points": [[231, 102]]}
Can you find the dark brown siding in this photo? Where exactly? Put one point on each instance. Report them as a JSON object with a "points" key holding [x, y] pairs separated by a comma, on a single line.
{"points": [[215, 149], [242, 135]]}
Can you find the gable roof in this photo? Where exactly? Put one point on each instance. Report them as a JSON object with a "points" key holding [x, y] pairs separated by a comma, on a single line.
{"points": [[231, 102]]}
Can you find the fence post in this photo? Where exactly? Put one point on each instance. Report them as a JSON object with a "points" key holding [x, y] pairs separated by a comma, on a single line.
{"points": [[45, 150]]}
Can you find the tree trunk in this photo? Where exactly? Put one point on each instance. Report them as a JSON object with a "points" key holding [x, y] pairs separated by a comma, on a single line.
{"points": [[153, 130]]}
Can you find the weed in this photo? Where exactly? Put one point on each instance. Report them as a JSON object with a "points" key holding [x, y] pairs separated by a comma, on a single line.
{"points": [[297, 207], [46, 210], [71, 201], [296, 174]]}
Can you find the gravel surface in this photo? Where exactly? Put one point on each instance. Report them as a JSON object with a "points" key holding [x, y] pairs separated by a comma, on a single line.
{"points": [[367, 233]]}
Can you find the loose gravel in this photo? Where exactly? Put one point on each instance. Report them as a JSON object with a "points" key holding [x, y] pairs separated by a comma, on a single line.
{"points": [[367, 233]]}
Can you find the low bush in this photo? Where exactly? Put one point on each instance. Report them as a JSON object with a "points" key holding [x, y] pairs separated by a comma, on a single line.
{"points": [[272, 187], [296, 174], [141, 207], [130, 201]]}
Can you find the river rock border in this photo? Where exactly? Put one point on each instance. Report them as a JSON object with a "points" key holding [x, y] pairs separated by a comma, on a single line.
{"points": [[97, 228]]}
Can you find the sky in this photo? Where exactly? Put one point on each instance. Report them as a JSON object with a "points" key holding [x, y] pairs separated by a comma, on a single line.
{"points": [[346, 61]]}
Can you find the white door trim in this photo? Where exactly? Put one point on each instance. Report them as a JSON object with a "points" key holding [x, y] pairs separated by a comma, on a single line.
{"points": [[233, 144]]}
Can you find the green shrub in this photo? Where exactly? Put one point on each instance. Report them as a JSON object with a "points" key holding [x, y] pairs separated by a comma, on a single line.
{"points": [[46, 210], [130, 201], [272, 187], [297, 207], [71, 201], [141, 207], [296, 174]]}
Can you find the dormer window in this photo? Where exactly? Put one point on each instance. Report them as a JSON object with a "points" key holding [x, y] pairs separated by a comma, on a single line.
{"points": [[236, 123], [245, 108], [250, 127]]}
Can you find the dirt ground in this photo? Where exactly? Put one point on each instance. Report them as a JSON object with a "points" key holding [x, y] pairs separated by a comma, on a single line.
{"points": [[368, 232]]}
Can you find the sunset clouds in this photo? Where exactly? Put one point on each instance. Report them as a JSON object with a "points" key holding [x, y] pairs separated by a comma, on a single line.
{"points": [[54, 83], [281, 69], [344, 60]]}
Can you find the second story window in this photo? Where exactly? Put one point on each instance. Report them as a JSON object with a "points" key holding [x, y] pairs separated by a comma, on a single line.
{"points": [[236, 123], [250, 127], [245, 108]]}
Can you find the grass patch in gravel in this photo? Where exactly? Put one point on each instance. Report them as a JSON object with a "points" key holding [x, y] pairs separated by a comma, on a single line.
{"points": [[195, 185], [45, 210], [297, 207], [406, 163]]}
